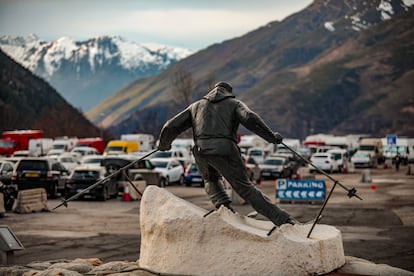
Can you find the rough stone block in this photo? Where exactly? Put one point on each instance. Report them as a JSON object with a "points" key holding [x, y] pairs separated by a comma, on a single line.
{"points": [[32, 200], [176, 238]]}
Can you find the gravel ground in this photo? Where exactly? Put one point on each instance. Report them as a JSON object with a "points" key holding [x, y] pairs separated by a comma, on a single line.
{"points": [[379, 228]]}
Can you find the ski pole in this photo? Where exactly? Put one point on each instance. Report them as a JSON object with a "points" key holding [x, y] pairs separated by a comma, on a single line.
{"points": [[103, 180], [351, 192]]}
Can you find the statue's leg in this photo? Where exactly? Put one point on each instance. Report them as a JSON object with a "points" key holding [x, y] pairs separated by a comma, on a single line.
{"points": [[212, 182], [234, 170]]}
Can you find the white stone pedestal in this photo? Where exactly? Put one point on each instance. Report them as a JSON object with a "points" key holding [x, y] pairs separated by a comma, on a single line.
{"points": [[177, 239]]}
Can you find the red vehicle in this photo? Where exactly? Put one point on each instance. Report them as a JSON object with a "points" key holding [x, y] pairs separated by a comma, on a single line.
{"points": [[14, 140], [97, 143]]}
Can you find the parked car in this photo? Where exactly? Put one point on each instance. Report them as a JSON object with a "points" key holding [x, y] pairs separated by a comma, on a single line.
{"points": [[68, 161], [258, 154], [171, 170], [85, 151], [324, 161], [40, 172], [276, 167], [92, 160], [192, 175], [341, 157], [173, 153], [6, 171], [362, 160], [22, 153], [141, 169], [252, 168], [84, 176]]}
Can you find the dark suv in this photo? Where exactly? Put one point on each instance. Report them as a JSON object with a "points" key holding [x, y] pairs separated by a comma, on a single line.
{"points": [[84, 176], [41, 172]]}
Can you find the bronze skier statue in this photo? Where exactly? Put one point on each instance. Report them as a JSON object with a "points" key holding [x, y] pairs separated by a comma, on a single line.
{"points": [[215, 120]]}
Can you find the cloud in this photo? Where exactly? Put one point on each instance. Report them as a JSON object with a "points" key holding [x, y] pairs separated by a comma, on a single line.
{"points": [[189, 22], [192, 24]]}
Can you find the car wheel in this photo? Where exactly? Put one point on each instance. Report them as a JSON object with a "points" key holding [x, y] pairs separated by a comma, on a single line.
{"points": [[53, 191], [167, 181], [115, 192], [104, 194], [162, 182], [181, 180]]}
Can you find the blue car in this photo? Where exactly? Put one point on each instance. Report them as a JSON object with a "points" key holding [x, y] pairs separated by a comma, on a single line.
{"points": [[192, 175]]}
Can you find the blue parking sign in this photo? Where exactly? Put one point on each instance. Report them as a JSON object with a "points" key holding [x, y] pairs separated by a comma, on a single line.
{"points": [[391, 140], [300, 189]]}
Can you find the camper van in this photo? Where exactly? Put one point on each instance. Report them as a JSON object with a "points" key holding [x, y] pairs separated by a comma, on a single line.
{"points": [[373, 148], [145, 141], [116, 147], [40, 146]]}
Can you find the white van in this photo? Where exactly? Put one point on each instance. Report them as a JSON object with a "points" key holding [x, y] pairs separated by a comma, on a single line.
{"points": [[40, 146], [341, 158], [257, 153]]}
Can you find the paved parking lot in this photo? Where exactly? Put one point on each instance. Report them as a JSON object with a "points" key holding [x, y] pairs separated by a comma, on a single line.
{"points": [[379, 228]]}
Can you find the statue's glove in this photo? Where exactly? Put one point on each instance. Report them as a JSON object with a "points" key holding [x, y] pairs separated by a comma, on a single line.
{"points": [[278, 138], [164, 147]]}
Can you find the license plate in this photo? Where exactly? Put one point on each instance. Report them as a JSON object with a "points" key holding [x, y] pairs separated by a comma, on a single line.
{"points": [[196, 179], [265, 173], [32, 175]]}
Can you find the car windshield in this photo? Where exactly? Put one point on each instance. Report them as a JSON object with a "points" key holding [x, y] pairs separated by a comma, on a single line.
{"points": [[318, 156], [193, 168], [86, 174], [361, 155], [367, 147], [115, 148], [33, 165], [93, 161], [336, 156], [273, 162], [255, 153], [162, 154], [59, 146], [159, 164]]}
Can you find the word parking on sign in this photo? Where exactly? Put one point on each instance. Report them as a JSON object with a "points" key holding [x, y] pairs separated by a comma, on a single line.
{"points": [[300, 189]]}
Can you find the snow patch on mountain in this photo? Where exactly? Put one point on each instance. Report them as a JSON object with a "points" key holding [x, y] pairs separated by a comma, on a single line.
{"points": [[329, 26], [32, 53]]}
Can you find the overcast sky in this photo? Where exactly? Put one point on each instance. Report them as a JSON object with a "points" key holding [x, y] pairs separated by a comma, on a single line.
{"points": [[193, 24]]}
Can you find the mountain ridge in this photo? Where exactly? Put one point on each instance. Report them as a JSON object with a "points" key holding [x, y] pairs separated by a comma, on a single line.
{"points": [[86, 72], [323, 57]]}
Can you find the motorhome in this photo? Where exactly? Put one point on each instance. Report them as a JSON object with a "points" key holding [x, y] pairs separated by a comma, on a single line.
{"points": [[250, 141], [62, 144], [40, 146], [145, 141], [404, 146], [183, 143], [374, 148], [294, 144]]}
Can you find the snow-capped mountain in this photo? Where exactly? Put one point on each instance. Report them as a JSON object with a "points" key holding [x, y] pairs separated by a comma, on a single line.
{"points": [[86, 72], [365, 14]]}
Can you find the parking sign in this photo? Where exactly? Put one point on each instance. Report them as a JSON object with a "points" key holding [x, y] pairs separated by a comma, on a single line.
{"points": [[391, 139], [300, 189]]}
